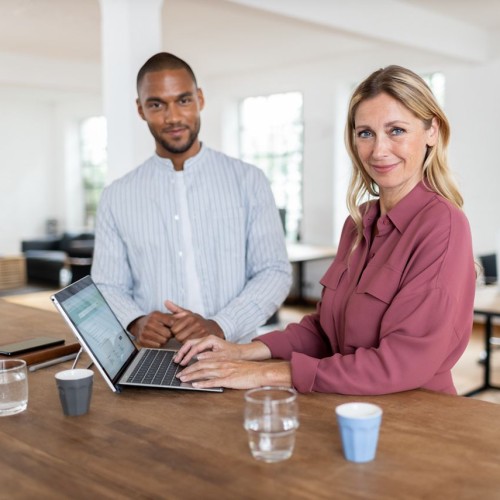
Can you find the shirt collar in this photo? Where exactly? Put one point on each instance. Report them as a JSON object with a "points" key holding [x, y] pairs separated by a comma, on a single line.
{"points": [[404, 212], [188, 164]]}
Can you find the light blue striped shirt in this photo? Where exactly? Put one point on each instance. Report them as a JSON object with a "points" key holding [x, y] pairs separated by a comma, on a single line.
{"points": [[239, 248]]}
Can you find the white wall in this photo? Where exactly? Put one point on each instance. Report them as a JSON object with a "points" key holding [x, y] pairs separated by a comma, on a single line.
{"points": [[28, 155], [39, 176], [473, 107]]}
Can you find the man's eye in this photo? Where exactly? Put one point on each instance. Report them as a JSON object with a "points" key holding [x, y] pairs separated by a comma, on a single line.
{"points": [[154, 105], [185, 100]]}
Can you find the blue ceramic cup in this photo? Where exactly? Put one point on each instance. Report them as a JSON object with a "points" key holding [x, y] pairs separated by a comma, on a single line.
{"points": [[359, 425]]}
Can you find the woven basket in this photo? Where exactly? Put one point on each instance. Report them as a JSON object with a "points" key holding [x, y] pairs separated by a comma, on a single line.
{"points": [[12, 272]]}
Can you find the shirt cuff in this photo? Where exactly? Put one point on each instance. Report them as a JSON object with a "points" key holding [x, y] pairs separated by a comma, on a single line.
{"points": [[304, 369], [227, 326], [277, 343]]}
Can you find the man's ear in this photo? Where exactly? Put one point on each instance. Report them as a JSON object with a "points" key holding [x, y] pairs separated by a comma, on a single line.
{"points": [[139, 109], [201, 98]]}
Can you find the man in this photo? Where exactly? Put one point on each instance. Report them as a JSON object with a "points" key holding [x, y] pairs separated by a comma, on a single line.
{"points": [[190, 243]]}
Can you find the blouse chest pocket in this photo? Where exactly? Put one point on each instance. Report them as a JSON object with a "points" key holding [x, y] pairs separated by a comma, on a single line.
{"points": [[333, 275], [383, 283]]}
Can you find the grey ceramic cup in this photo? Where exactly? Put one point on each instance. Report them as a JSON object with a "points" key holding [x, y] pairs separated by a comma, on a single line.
{"points": [[75, 390]]}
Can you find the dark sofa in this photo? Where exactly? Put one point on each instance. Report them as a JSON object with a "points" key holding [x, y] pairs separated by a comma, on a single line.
{"points": [[46, 257]]}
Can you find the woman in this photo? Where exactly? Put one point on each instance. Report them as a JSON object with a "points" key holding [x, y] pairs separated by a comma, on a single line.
{"points": [[397, 302]]}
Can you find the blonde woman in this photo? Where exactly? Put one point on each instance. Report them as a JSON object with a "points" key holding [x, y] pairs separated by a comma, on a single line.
{"points": [[397, 303]]}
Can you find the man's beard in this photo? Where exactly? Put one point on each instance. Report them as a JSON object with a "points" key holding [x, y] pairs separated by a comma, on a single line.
{"points": [[181, 148]]}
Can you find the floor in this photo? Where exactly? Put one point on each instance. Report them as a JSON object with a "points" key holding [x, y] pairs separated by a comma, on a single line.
{"points": [[467, 373]]}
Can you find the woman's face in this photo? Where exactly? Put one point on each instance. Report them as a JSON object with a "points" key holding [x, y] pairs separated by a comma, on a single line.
{"points": [[391, 143]]}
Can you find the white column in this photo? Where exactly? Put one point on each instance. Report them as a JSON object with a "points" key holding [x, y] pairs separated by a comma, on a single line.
{"points": [[131, 33]]}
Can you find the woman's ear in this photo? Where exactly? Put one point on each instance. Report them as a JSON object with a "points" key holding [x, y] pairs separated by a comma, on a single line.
{"points": [[433, 132]]}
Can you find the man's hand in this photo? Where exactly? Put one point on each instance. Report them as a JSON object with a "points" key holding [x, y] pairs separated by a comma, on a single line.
{"points": [[152, 330], [186, 324]]}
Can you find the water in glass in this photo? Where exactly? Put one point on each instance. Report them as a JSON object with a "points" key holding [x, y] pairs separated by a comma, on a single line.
{"points": [[13, 387], [271, 418], [271, 437]]}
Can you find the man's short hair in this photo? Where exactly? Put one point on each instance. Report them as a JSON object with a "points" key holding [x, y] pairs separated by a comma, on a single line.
{"points": [[163, 61]]}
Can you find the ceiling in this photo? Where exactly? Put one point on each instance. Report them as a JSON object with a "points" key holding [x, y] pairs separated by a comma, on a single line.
{"points": [[482, 13], [236, 33]]}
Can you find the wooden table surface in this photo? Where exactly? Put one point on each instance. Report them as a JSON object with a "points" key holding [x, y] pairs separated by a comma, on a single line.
{"points": [[175, 444]]}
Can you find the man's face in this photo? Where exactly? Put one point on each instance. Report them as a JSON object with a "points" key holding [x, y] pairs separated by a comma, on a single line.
{"points": [[170, 103]]}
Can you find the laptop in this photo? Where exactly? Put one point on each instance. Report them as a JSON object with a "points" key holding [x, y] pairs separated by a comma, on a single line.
{"points": [[109, 346]]}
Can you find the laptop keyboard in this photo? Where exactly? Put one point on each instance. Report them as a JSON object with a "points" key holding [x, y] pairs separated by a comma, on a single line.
{"points": [[156, 368]]}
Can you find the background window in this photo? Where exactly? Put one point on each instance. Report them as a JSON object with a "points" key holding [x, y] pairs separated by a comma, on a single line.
{"points": [[93, 139], [436, 82], [271, 137]]}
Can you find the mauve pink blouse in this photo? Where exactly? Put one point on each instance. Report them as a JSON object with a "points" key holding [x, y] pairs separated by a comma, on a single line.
{"points": [[397, 313]]}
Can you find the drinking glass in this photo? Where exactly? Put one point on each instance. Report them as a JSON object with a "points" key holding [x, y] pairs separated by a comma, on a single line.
{"points": [[271, 419], [13, 386]]}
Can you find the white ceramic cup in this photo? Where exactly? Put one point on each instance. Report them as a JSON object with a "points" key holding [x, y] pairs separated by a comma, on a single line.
{"points": [[359, 425]]}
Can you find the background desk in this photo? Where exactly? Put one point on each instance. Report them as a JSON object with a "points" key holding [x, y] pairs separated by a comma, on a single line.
{"points": [[487, 304], [300, 254], [174, 444]]}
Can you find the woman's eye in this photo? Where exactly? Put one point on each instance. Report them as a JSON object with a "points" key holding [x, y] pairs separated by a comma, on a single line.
{"points": [[398, 131], [365, 134]]}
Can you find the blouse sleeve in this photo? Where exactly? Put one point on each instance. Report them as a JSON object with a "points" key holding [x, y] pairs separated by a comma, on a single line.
{"points": [[422, 333], [418, 340], [306, 337]]}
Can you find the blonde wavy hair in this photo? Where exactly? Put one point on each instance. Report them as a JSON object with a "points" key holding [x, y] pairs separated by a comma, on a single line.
{"points": [[410, 90]]}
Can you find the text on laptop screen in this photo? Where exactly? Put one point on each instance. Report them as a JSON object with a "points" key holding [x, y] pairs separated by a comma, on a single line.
{"points": [[102, 331]]}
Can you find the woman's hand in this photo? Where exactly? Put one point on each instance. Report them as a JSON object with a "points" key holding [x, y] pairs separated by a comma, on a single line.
{"points": [[237, 374], [215, 348]]}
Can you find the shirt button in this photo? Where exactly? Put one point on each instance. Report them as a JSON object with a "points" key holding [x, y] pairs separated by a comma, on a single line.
{"points": [[176, 217], [180, 254]]}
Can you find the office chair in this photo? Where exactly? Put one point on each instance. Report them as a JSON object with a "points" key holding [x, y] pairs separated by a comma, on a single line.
{"points": [[489, 264]]}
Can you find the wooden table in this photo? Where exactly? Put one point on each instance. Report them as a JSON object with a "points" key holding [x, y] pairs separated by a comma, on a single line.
{"points": [[300, 254], [487, 304], [160, 444]]}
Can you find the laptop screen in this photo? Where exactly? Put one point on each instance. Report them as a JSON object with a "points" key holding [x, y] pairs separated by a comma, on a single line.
{"points": [[92, 317]]}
